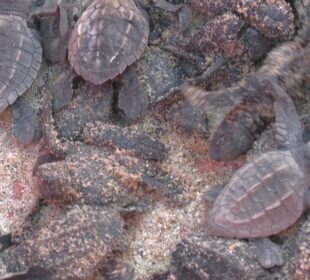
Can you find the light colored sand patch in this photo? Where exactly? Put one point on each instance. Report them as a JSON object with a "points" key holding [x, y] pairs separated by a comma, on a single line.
{"points": [[18, 195]]}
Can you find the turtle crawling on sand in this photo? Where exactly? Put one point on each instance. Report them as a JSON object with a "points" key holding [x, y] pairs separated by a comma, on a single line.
{"points": [[247, 108], [269, 193], [108, 37]]}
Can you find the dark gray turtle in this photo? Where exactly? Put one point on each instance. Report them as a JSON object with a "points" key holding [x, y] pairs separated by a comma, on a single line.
{"points": [[21, 52], [246, 109], [269, 193], [109, 36]]}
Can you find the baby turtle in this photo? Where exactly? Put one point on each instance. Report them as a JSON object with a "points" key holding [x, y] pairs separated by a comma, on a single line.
{"points": [[109, 36], [246, 109], [269, 193], [21, 52]]}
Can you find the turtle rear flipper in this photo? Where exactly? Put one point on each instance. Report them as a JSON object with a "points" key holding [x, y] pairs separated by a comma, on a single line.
{"points": [[213, 101]]}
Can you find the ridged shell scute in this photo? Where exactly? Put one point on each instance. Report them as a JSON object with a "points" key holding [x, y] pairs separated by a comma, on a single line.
{"points": [[263, 197], [109, 36], [20, 58]]}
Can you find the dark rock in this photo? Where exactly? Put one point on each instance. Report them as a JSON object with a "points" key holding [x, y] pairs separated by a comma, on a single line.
{"points": [[164, 185], [214, 259], [32, 273], [72, 243], [5, 242], [160, 72], [90, 103], [256, 43], [128, 138], [26, 124]]}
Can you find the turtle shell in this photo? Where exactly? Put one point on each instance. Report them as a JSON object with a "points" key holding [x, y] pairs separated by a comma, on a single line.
{"points": [[263, 198], [109, 36], [20, 56]]}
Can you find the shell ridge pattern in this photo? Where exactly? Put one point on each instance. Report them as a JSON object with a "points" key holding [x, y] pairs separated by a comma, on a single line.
{"points": [[20, 57], [108, 37], [262, 204]]}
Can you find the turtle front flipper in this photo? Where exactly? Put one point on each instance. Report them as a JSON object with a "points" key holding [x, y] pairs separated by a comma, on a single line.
{"points": [[288, 124]]}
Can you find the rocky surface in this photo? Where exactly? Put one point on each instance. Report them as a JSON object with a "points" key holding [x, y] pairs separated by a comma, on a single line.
{"points": [[164, 234]]}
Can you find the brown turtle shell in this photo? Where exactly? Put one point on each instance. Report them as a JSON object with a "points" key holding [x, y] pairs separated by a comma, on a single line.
{"points": [[263, 198], [21, 53], [109, 36]]}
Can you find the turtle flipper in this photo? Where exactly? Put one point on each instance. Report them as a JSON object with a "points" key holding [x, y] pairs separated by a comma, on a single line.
{"points": [[213, 101], [288, 125]]}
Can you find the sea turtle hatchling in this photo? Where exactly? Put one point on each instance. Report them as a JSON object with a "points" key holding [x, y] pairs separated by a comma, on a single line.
{"points": [[246, 109], [109, 36], [21, 52], [270, 192]]}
